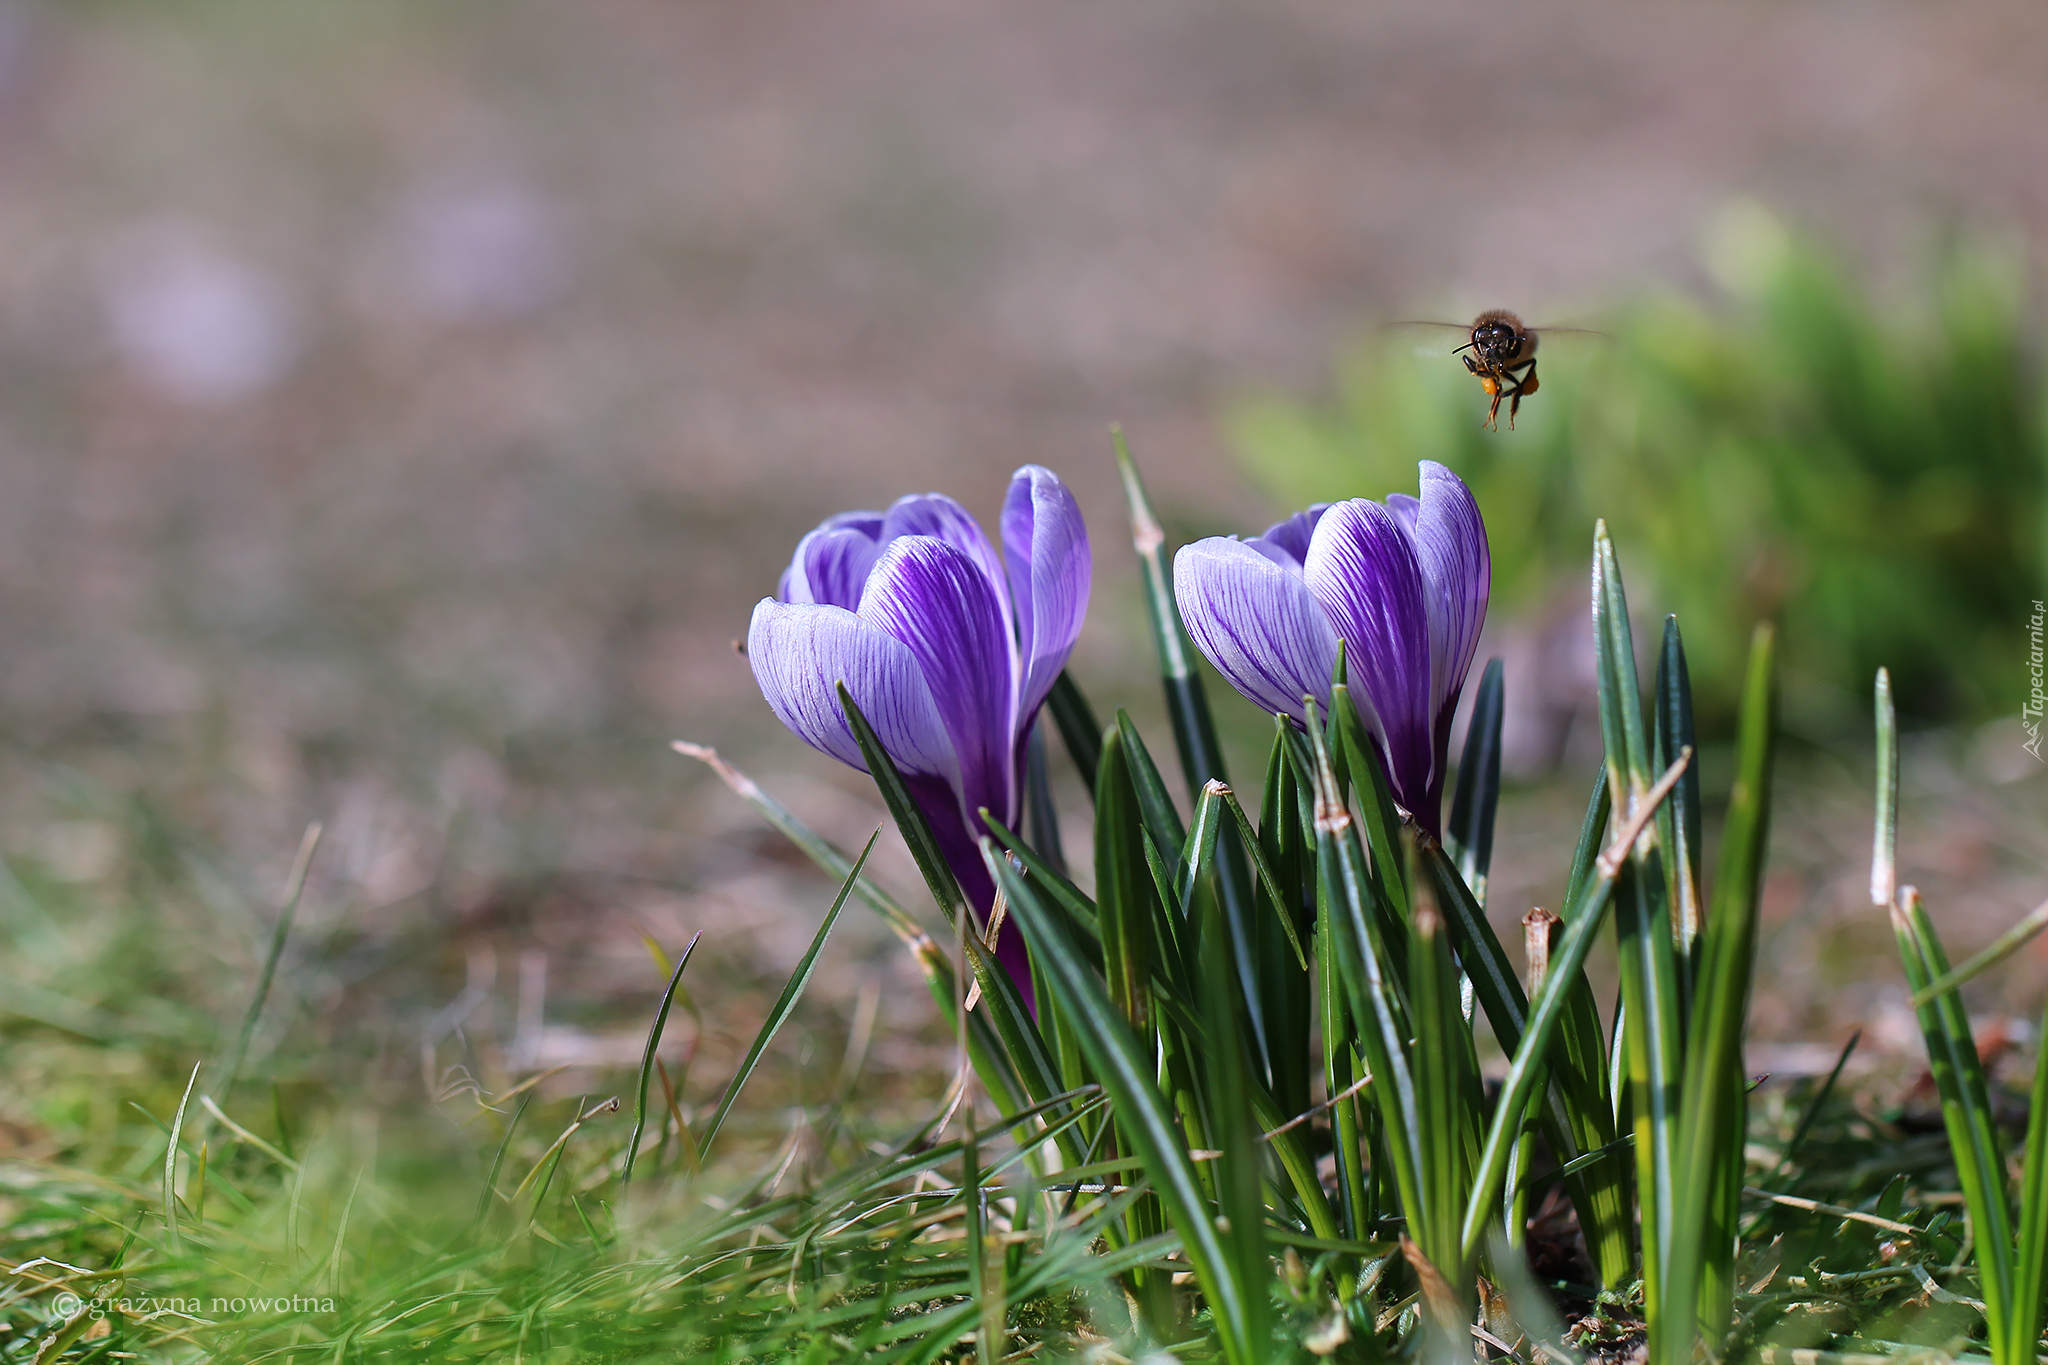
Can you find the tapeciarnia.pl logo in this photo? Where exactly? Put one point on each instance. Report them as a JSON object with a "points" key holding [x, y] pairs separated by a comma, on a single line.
{"points": [[2037, 698]]}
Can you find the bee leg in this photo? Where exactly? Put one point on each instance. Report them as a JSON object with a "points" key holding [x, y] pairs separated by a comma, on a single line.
{"points": [[1525, 385], [1493, 409]]}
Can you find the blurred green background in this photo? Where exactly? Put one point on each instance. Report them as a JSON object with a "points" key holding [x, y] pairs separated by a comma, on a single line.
{"points": [[1866, 465]]}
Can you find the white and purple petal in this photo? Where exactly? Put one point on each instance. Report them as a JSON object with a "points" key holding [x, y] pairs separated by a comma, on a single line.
{"points": [[930, 595], [1457, 570], [940, 517], [1292, 536], [831, 566], [800, 652], [1252, 616], [1363, 570], [1045, 545]]}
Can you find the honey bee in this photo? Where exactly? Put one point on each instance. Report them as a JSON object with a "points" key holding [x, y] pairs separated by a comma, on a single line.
{"points": [[1500, 351]]}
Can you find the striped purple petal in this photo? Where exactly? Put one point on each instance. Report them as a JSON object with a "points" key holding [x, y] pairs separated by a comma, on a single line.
{"points": [[831, 566], [1457, 569], [1045, 544], [941, 518], [1293, 535], [1251, 614], [1363, 569], [933, 597], [800, 652]]}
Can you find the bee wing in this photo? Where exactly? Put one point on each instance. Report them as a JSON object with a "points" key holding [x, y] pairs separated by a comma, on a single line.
{"points": [[1428, 338]]}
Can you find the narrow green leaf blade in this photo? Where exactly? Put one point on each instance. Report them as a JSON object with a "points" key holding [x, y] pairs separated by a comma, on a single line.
{"points": [[910, 821], [1240, 1173], [1126, 1072], [1582, 920], [1469, 835], [983, 1048], [1358, 760], [1958, 1073], [2030, 1285], [1194, 730], [1162, 817], [1654, 1040], [785, 1004], [1126, 896], [1678, 824], [1884, 843], [1080, 731], [668, 998], [1713, 1114], [1379, 1011], [1041, 813], [1443, 1067], [1286, 902]]}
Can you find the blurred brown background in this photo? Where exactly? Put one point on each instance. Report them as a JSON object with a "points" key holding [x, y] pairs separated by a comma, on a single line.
{"points": [[402, 405]]}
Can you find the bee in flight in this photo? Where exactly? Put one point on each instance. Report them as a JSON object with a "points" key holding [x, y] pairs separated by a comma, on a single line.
{"points": [[1500, 351]]}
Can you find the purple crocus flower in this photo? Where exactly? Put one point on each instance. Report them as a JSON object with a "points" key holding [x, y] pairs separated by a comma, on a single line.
{"points": [[1404, 584], [948, 648]]}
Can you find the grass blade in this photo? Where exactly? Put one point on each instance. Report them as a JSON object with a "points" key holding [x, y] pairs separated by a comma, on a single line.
{"points": [[2007, 943], [1079, 731], [1951, 1050], [2030, 1285], [1286, 899], [1033, 1062], [1606, 1211], [172, 1237], [1055, 882], [668, 998], [1654, 1039], [1187, 703], [785, 1004], [984, 1049], [1445, 1071], [1042, 815], [1359, 765], [1194, 730], [1713, 1112], [1493, 977], [1678, 824], [1469, 835], [1379, 1012], [1239, 1177], [910, 821], [1965, 1110], [1884, 841], [1269, 880], [295, 887], [1582, 922], [1353, 1188], [1126, 1073], [1198, 857], [1162, 818]]}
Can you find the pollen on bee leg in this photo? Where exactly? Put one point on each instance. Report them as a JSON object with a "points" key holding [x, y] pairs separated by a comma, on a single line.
{"points": [[1490, 384]]}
